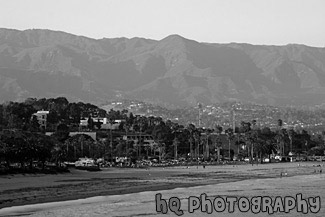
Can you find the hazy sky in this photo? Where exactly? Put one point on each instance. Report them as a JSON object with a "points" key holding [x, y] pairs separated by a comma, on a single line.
{"points": [[275, 22]]}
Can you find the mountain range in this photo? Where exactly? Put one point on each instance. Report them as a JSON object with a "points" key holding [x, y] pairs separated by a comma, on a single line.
{"points": [[174, 70]]}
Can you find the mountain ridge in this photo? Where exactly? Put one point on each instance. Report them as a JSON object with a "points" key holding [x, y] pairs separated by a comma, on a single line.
{"points": [[173, 70]]}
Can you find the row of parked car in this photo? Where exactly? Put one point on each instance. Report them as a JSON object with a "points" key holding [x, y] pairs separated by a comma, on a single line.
{"points": [[188, 162], [315, 158]]}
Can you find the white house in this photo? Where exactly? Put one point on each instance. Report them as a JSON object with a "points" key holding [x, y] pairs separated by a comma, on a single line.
{"points": [[104, 123], [42, 118]]}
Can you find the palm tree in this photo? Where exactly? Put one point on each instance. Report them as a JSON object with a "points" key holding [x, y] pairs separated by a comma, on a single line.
{"points": [[279, 137], [119, 148], [218, 143], [43, 146], [142, 123], [206, 146], [291, 134], [5, 152], [176, 131], [111, 120], [126, 127], [230, 135], [251, 137], [239, 141], [24, 146], [160, 134], [191, 129], [58, 154], [246, 130], [197, 142], [268, 144]]}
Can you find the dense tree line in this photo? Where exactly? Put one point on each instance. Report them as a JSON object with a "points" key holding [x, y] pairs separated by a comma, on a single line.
{"points": [[22, 142], [247, 140], [15, 115]]}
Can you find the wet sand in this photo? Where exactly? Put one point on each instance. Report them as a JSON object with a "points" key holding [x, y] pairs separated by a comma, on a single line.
{"points": [[33, 189]]}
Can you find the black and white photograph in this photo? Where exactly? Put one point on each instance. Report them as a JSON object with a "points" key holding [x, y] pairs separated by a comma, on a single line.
{"points": [[139, 108]]}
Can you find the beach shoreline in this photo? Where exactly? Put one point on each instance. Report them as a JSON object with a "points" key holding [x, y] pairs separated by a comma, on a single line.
{"points": [[18, 190]]}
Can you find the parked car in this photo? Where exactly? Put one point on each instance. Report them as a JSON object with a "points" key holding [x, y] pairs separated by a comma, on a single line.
{"points": [[301, 158], [311, 158], [319, 158], [267, 160], [87, 164]]}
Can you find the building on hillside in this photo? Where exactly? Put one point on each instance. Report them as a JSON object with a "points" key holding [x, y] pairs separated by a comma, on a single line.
{"points": [[107, 126], [104, 123], [42, 118], [83, 123]]}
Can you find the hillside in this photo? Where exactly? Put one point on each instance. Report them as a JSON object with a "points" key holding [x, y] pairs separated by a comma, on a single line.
{"points": [[174, 70]]}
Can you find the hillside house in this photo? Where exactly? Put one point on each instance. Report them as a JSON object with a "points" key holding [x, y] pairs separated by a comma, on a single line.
{"points": [[42, 118]]}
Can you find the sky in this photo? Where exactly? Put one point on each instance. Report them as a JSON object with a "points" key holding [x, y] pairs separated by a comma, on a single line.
{"points": [[270, 22]]}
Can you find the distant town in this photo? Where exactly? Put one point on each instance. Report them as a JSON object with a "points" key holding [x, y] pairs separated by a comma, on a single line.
{"points": [[229, 114]]}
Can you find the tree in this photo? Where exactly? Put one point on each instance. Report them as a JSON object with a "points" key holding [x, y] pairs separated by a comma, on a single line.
{"points": [[111, 120], [230, 135], [119, 148], [206, 147], [265, 143], [191, 129], [12, 121], [250, 136], [79, 145], [62, 133], [98, 124], [306, 138], [58, 154], [175, 144], [126, 127], [6, 151], [52, 117], [2, 121], [22, 147], [43, 145], [280, 137], [74, 113], [130, 120], [323, 137], [291, 134], [90, 123], [34, 124], [177, 133], [197, 141], [218, 143], [163, 135]]}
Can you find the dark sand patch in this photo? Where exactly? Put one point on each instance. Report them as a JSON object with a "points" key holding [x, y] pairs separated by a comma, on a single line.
{"points": [[40, 188]]}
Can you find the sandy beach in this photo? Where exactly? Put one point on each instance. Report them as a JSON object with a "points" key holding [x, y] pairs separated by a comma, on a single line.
{"points": [[109, 190]]}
